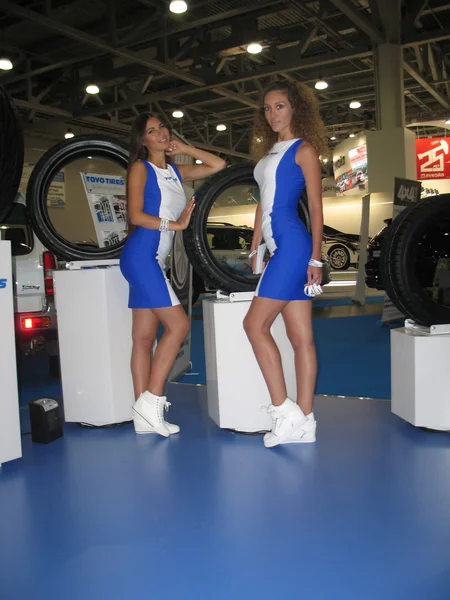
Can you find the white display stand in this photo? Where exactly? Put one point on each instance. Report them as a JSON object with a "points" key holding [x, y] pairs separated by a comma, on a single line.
{"points": [[94, 331], [10, 440], [236, 389], [420, 374]]}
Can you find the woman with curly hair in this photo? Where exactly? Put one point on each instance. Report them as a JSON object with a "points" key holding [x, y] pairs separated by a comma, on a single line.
{"points": [[288, 138]]}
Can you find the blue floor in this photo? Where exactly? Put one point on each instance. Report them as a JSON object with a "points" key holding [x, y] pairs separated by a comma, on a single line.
{"points": [[211, 515]]}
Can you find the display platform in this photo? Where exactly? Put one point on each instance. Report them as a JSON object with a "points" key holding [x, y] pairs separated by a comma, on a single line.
{"points": [[94, 330], [236, 389], [420, 358], [10, 441]]}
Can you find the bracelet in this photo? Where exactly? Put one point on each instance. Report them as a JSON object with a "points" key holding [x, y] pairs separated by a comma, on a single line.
{"points": [[253, 253], [164, 225], [315, 263]]}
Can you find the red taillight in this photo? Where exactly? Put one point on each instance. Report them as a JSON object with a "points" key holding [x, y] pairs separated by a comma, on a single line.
{"points": [[49, 266], [36, 322]]}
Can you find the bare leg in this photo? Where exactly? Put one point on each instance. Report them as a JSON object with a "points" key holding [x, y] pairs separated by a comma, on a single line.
{"points": [[297, 316], [257, 324], [145, 327], [176, 327]]}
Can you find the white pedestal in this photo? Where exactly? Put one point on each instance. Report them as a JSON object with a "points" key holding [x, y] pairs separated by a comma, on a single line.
{"points": [[10, 441], [94, 331], [236, 389], [421, 378]]}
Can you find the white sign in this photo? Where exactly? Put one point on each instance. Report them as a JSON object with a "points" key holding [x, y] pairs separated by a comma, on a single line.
{"points": [[107, 200], [56, 196]]}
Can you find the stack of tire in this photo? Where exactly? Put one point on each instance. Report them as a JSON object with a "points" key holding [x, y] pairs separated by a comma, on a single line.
{"points": [[415, 253], [11, 153]]}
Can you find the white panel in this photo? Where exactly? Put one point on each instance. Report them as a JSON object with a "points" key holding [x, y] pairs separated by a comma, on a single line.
{"points": [[10, 441]]}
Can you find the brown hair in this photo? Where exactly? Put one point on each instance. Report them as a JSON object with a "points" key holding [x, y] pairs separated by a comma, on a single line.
{"points": [[306, 121], [137, 148]]}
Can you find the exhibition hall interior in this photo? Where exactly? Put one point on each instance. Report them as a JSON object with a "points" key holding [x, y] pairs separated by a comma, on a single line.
{"points": [[98, 503]]}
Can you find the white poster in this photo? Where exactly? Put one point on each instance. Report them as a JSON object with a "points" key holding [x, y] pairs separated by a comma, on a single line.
{"points": [[107, 200], [56, 197]]}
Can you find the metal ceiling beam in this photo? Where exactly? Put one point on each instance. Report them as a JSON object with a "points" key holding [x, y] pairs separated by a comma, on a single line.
{"points": [[360, 20], [426, 86], [427, 37], [95, 42], [237, 97]]}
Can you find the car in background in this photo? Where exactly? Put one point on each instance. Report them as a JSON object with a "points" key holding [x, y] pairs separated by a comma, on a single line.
{"points": [[341, 248], [373, 276], [34, 307]]}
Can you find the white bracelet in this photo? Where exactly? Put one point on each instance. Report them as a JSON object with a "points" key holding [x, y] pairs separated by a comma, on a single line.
{"points": [[164, 225], [315, 263], [253, 253]]}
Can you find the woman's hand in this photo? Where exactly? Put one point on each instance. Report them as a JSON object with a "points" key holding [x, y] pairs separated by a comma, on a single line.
{"points": [[314, 275], [186, 215], [177, 147]]}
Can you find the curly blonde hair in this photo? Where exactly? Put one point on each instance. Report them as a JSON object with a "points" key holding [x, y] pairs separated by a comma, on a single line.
{"points": [[306, 122]]}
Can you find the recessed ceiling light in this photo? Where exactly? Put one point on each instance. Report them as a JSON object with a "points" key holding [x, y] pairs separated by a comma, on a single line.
{"points": [[5, 64], [69, 134], [321, 85], [92, 89], [178, 7], [254, 48], [221, 127], [355, 104], [178, 114]]}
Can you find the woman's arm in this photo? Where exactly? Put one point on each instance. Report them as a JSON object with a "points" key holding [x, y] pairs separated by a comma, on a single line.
{"points": [[308, 159], [137, 178], [257, 235], [211, 163]]}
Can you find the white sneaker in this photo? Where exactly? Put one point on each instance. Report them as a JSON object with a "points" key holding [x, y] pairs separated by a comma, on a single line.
{"points": [[151, 408], [306, 434], [286, 420], [142, 426]]}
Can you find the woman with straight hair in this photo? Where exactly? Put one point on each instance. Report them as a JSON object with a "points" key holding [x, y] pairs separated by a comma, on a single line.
{"points": [[288, 138], [156, 208]]}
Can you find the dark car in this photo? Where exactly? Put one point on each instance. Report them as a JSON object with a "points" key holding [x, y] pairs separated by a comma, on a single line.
{"points": [[373, 278]]}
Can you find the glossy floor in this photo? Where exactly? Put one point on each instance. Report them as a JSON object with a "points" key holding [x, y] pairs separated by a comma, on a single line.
{"points": [[104, 514]]}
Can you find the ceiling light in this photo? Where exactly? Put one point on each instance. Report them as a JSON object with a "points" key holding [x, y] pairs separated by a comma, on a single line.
{"points": [[325, 160], [447, 122], [254, 48], [198, 162], [332, 138], [321, 85], [5, 64], [92, 89], [221, 127], [178, 114], [90, 157], [352, 135], [355, 104], [178, 7], [69, 134]]}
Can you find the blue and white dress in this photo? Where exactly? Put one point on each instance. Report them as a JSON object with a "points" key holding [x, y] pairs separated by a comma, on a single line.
{"points": [[143, 258], [281, 182]]}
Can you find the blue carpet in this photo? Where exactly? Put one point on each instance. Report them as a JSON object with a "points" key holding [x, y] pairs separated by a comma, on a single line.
{"points": [[108, 515]]}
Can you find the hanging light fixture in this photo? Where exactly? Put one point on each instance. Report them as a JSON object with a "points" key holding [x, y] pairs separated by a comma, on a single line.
{"points": [[321, 85], [352, 135], [198, 162], [332, 138], [355, 104], [69, 134], [254, 48], [5, 64], [178, 114], [178, 7], [92, 89], [221, 127]]}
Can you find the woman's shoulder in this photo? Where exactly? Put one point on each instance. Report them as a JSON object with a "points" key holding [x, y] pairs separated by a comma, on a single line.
{"points": [[306, 151]]}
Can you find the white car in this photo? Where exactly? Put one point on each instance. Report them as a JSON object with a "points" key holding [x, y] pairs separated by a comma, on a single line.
{"points": [[32, 265]]}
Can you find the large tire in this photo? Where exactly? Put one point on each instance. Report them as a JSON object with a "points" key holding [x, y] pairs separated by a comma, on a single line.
{"points": [[44, 171], [195, 239], [402, 252], [11, 153]]}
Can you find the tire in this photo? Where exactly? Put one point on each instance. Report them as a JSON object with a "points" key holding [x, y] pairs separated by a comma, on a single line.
{"points": [[195, 239], [401, 254], [339, 257], [44, 171], [11, 153]]}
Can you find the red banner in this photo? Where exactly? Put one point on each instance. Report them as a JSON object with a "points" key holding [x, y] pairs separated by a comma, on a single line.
{"points": [[432, 158]]}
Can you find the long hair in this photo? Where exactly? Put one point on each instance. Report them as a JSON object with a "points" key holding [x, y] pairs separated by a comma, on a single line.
{"points": [[306, 121], [137, 148]]}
